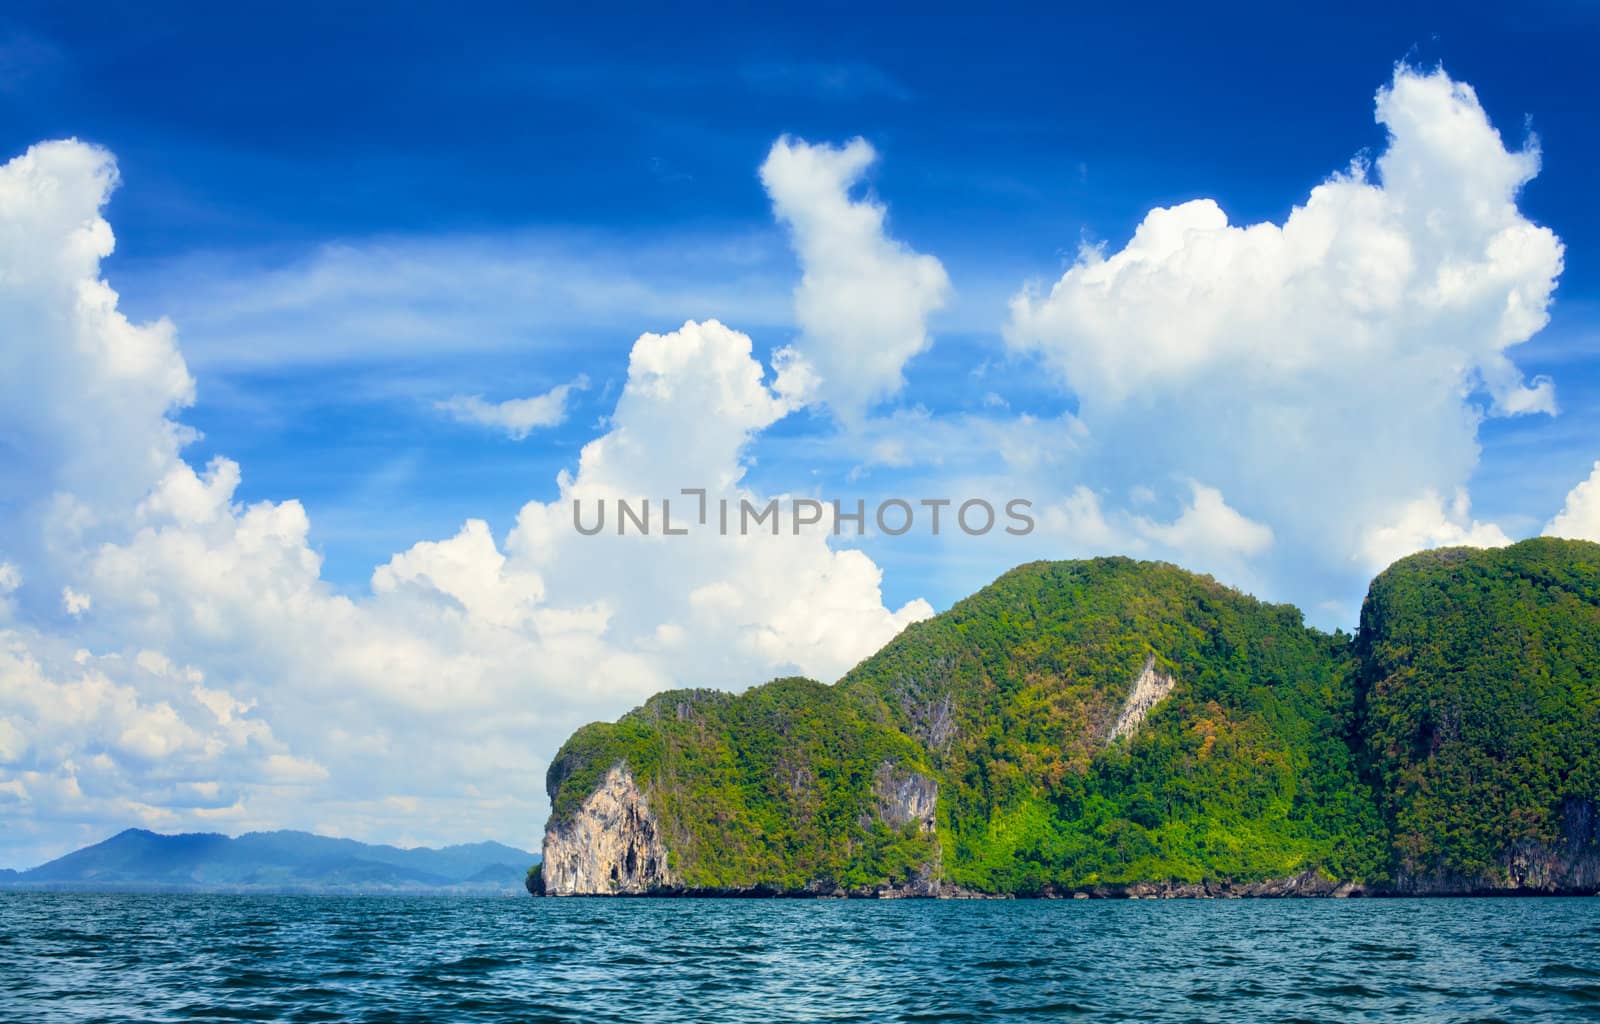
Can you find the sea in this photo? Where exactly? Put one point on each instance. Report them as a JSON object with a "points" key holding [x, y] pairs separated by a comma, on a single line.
{"points": [[116, 958]]}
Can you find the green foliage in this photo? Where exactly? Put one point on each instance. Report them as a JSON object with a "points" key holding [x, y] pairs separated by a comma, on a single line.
{"points": [[1464, 719], [1244, 772], [1480, 685], [773, 787]]}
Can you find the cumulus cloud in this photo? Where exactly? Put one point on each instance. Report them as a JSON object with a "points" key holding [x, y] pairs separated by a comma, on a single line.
{"points": [[1428, 523], [864, 298], [515, 417], [1329, 373], [86, 739], [1079, 521], [172, 655], [788, 600], [1579, 518], [1209, 524], [64, 336], [1289, 404]]}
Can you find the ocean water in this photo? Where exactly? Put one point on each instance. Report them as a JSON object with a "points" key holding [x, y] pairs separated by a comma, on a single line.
{"points": [[74, 958]]}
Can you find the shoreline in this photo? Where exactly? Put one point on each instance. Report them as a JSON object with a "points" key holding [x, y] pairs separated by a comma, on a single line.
{"points": [[1304, 886]]}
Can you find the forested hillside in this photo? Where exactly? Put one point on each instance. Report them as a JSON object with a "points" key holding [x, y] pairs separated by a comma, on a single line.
{"points": [[1480, 673], [1100, 725]]}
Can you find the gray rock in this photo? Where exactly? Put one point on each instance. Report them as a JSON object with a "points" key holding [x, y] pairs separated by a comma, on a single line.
{"points": [[611, 847]]}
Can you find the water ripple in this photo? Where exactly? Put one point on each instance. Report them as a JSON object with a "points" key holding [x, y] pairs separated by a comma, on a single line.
{"points": [[78, 959]]}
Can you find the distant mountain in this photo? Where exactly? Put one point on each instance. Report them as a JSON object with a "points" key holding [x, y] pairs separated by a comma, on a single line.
{"points": [[275, 862]]}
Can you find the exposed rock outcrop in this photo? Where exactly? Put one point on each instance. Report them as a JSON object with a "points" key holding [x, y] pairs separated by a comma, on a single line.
{"points": [[1309, 883], [905, 797], [1150, 689], [612, 846], [932, 721], [1571, 865]]}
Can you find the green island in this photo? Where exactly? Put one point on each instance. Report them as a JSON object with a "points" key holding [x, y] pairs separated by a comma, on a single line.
{"points": [[1112, 727]]}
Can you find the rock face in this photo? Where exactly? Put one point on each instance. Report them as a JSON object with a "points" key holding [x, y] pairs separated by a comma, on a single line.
{"points": [[1569, 865], [905, 797], [611, 847], [1150, 689], [1309, 884]]}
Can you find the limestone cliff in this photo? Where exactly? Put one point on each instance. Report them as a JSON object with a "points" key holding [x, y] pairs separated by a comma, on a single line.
{"points": [[789, 787], [1148, 690], [905, 797], [612, 846]]}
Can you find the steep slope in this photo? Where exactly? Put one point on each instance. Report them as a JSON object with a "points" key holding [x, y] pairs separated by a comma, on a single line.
{"points": [[782, 787], [1113, 721], [976, 752], [1480, 675], [1120, 727]]}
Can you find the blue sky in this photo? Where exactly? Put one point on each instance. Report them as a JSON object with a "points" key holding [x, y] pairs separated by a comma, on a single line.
{"points": [[353, 219], [253, 136], [250, 138]]}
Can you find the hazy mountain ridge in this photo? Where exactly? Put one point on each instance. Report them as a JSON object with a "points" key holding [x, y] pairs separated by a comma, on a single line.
{"points": [[282, 861]]}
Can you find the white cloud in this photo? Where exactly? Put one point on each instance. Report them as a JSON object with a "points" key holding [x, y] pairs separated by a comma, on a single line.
{"points": [[219, 677], [1208, 524], [126, 378], [111, 738], [864, 298], [1205, 534], [1427, 523], [1321, 372], [10, 583], [74, 603], [1080, 521], [172, 654], [470, 570], [517, 417], [1579, 518], [787, 601], [377, 299]]}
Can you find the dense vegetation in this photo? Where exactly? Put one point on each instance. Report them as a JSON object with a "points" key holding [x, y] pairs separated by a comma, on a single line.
{"points": [[1462, 720], [1481, 682], [1244, 772], [773, 787]]}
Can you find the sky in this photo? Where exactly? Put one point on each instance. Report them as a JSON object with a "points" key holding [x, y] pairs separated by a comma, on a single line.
{"points": [[314, 324]]}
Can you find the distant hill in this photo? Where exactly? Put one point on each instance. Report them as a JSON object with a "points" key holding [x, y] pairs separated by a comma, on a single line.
{"points": [[274, 862]]}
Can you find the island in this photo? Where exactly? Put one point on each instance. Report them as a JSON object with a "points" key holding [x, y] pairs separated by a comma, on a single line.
{"points": [[1118, 728]]}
